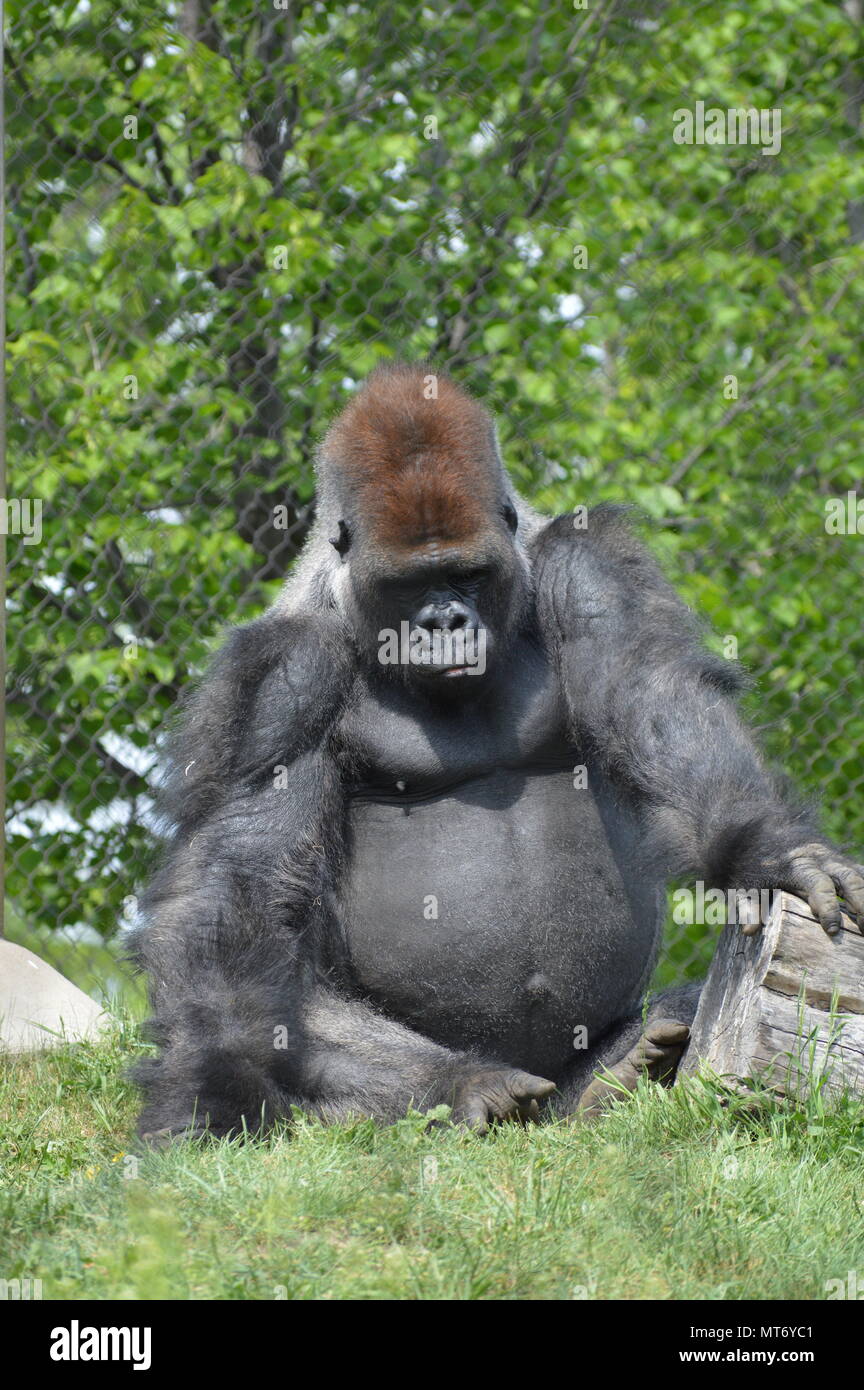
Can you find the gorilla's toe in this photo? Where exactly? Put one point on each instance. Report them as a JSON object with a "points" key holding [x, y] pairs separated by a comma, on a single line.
{"points": [[655, 1056], [175, 1134]]}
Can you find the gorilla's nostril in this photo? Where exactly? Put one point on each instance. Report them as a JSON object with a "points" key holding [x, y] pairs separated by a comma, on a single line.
{"points": [[445, 617]]}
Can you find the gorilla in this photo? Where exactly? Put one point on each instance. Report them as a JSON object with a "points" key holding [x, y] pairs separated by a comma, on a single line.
{"points": [[423, 811]]}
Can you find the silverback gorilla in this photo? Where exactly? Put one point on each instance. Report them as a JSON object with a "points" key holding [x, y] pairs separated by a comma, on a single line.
{"points": [[385, 885]]}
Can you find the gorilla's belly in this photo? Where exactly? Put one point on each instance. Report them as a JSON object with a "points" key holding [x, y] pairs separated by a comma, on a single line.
{"points": [[501, 915]]}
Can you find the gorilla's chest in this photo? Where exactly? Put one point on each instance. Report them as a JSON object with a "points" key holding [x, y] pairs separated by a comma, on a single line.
{"points": [[408, 746], [490, 902]]}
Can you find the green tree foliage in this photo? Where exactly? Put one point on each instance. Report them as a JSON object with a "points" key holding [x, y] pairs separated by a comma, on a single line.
{"points": [[224, 214]]}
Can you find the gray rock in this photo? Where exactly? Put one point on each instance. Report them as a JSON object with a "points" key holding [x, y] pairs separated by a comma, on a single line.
{"points": [[39, 1007]]}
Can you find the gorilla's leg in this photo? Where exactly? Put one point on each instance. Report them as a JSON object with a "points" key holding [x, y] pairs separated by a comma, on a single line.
{"points": [[246, 1050], [637, 1046], [359, 1063]]}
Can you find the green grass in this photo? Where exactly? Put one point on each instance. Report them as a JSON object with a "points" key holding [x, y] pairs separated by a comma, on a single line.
{"points": [[672, 1196]]}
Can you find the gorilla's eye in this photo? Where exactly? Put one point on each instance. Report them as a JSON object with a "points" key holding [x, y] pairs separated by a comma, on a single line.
{"points": [[471, 579]]}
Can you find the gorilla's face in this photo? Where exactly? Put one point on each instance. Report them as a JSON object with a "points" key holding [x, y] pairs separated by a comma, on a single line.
{"points": [[432, 579], [440, 618]]}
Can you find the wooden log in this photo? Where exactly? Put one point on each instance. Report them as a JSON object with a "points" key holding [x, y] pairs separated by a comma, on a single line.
{"points": [[785, 1006]]}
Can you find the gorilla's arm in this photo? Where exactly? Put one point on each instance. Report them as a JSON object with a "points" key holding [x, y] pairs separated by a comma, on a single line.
{"points": [[657, 710], [238, 927], [357, 1062], [224, 940]]}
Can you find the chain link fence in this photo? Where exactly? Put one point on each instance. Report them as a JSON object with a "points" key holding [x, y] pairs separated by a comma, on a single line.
{"points": [[635, 231]]}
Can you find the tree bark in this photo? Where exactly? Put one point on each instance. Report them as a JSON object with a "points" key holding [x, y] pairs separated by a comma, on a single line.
{"points": [[785, 1007]]}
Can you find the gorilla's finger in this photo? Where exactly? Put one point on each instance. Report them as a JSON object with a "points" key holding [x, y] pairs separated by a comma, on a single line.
{"points": [[851, 885], [747, 914], [473, 1115], [529, 1114], [173, 1134], [667, 1032], [160, 1138], [821, 894], [523, 1086]]}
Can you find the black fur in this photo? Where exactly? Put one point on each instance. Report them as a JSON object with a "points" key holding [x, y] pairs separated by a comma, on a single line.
{"points": [[656, 708], [310, 798]]}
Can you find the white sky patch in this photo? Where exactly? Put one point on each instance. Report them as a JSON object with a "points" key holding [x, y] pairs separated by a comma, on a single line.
{"points": [[54, 583], [528, 249], [140, 760], [169, 515], [482, 138], [570, 307], [80, 934], [49, 817], [117, 813], [186, 323]]}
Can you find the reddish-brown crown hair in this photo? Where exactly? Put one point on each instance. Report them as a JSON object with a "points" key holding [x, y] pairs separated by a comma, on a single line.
{"points": [[417, 470]]}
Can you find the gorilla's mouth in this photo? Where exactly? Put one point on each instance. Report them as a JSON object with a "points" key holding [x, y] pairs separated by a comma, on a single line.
{"points": [[435, 654], [449, 670], [437, 672]]}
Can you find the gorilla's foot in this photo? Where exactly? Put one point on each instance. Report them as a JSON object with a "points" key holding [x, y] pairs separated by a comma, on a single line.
{"points": [[182, 1134], [491, 1094], [655, 1056], [161, 1130]]}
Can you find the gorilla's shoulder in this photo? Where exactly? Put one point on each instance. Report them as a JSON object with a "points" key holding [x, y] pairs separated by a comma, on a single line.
{"points": [[595, 545], [268, 697], [609, 527], [597, 581], [307, 642]]}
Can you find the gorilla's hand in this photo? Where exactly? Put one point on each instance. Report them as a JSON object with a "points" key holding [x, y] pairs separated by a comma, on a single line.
{"points": [[177, 1120], [498, 1093], [817, 872], [203, 1090], [182, 1133]]}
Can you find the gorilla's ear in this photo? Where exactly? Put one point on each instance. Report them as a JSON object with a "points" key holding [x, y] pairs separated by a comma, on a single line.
{"points": [[508, 511], [342, 541]]}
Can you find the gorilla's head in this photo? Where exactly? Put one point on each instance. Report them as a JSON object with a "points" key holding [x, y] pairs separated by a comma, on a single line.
{"points": [[428, 566]]}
